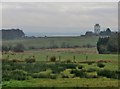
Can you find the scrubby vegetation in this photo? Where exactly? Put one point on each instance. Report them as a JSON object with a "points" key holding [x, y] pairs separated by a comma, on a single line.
{"points": [[23, 70], [109, 44], [62, 63], [101, 65], [30, 60], [17, 48], [108, 73], [53, 59]]}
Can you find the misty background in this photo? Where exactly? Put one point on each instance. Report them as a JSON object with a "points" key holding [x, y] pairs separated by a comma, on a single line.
{"points": [[59, 18]]}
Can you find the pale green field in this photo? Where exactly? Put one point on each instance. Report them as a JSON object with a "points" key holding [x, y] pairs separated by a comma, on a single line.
{"points": [[71, 82], [49, 41]]}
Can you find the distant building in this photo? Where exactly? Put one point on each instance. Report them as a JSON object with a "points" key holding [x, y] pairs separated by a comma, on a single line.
{"points": [[89, 33], [97, 32], [96, 29]]}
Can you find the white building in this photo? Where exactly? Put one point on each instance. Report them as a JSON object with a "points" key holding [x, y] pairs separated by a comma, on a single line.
{"points": [[96, 28]]}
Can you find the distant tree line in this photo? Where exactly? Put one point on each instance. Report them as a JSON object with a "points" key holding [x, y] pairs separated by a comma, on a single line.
{"points": [[107, 32], [109, 44], [12, 33], [17, 48]]}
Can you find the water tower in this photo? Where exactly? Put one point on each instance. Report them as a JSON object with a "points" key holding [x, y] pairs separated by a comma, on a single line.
{"points": [[96, 28]]}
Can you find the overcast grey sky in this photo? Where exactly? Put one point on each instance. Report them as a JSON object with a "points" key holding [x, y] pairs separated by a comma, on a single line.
{"points": [[68, 18]]}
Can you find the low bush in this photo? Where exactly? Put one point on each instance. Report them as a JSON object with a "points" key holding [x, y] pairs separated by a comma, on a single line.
{"points": [[53, 59], [117, 74], [101, 65], [57, 69], [43, 74], [107, 73], [90, 63], [65, 76], [6, 67], [19, 48], [6, 60], [19, 75], [6, 75], [53, 76], [91, 76], [35, 75], [68, 61], [5, 48], [80, 66], [16, 60], [79, 73], [70, 66], [30, 60], [91, 70]]}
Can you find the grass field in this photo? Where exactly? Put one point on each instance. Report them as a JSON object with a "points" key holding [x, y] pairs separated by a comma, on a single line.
{"points": [[71, 82], [68, 53], [42, 57], [50, 41]]}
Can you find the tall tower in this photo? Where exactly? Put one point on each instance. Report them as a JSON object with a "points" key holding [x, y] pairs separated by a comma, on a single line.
{"points": [[96, 28]]}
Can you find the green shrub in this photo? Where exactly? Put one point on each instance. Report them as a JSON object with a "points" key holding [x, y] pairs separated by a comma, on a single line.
{"points": [[79, 73], [53, 59], [70, 76], [64, 75], [19, 48], [43, 74], [91, 76], [6, 67], [56, 69], [68, 61], [6, 75], [5, 48], [30, 60], [53, 76], [101, 65], [90, 63], [70, 66], [16, 60], [35, 75], [117, 74], [5, 60], [91, 70], [107, 73], [80, 66], [19, 75]]}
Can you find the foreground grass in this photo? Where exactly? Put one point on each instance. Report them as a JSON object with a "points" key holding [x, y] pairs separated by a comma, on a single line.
{"points": [[80, 54], [71, 82]]}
